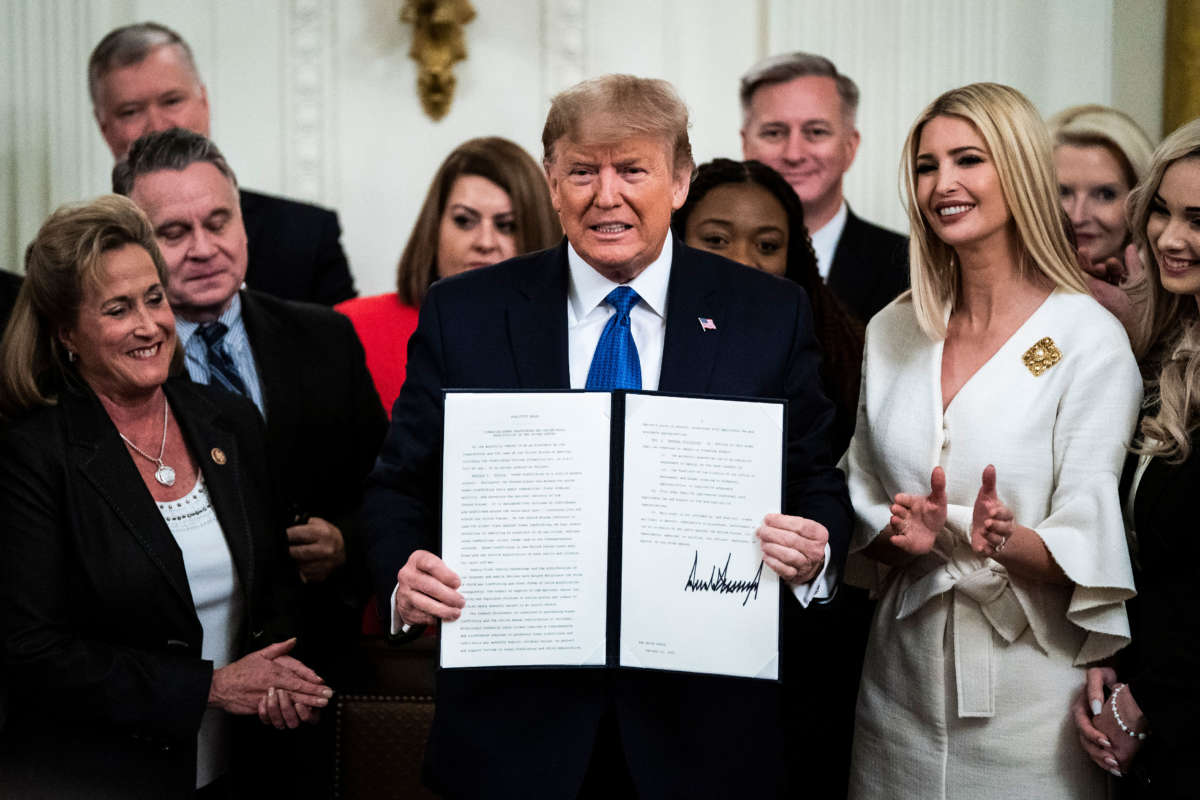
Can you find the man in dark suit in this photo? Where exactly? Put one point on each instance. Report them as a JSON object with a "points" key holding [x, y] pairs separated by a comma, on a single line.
{"points": [[619, 162], [300, 364], [798, 118], [143, 79]]}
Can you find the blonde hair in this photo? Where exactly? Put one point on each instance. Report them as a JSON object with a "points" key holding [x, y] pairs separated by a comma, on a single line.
{"points": [[503, 163], [1015, 136], [66, 256], [613, 107], [1167, 334], [1101, 126]]}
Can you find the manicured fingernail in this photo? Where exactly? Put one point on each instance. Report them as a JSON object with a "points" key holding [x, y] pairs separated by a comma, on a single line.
{"points": [[321, 701], [1106, 742], [1096, 708], [327, 692], [1116, 772], [1112, 762]]}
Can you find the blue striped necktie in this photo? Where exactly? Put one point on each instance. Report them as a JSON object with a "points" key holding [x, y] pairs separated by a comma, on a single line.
{"points": [[615, 364], [221, 368]]}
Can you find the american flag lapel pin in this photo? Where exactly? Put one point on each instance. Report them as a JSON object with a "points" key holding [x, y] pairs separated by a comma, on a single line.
{"points": [[706, 324]]}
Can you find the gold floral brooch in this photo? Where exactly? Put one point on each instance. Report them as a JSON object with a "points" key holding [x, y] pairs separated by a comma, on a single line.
{"points": [[1042, 356]]}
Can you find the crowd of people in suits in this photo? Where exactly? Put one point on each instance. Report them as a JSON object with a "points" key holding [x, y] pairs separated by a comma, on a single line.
{"points": [[220, 468]]}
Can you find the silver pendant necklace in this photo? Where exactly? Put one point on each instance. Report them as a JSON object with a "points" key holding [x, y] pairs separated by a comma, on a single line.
{"points": [[164, 474]]}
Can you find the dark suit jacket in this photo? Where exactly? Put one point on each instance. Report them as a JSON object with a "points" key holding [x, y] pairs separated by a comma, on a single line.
{"points": [[10, 284], [295, 250], [518, 733], [101, 639], [870, 266], [1161, 664], [324, 428]]}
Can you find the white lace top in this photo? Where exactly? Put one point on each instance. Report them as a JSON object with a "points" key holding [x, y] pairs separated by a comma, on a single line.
{"points": [[217, 596]]}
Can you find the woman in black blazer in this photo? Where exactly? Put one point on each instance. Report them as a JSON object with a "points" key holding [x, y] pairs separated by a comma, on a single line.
{"points": [[144, 577], [1142, 727]]}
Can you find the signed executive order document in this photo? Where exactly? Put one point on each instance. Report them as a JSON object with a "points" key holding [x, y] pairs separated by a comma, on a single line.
{"points": [[528, 527]]}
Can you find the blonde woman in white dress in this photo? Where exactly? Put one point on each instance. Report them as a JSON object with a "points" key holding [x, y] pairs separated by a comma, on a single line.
{"points": [[997, 401]]}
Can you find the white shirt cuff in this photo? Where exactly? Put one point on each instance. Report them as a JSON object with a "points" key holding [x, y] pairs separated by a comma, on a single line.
{"points": [[819, 588], [399, 626]]}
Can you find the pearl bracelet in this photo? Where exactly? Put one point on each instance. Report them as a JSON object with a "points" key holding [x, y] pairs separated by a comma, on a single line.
{"points": [[1112, 704]]}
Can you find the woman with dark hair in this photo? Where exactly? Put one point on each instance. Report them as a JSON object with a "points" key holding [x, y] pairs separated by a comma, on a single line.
{"points": [[144, 573], [747, 212], [488, 202], [1143, 726]]}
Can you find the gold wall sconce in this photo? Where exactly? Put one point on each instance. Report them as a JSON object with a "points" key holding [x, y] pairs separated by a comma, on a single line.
{"points": [[438, 44]]}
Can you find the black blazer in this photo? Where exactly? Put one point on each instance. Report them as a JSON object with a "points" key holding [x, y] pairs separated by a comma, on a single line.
{"points": [[101, 639], [324, 428], [515, 733], [295, 250], [10, 285], [1161, 664], [870, 267]]}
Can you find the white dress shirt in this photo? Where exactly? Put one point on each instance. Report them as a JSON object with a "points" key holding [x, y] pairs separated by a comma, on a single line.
{"points": [[587, 314], [237, 344], [825, 240]]}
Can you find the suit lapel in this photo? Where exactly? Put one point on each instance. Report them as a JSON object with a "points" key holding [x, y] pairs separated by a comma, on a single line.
{"points": [[275, 362], [537, 322], [102, 459], [844, 283], [216, 452], [690, 351]]}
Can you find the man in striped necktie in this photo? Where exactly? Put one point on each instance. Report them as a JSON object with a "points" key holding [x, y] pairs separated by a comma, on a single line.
{"points": [[300, 364]]}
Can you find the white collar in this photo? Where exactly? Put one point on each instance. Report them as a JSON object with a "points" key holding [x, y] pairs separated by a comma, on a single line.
{"points": [[825, 240], [230, 317], [588, 287]]}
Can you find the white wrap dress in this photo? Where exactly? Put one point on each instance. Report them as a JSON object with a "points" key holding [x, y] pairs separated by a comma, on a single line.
{"points": [[969, 671]]}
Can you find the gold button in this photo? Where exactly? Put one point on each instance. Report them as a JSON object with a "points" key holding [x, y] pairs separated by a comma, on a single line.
{"points": [[218, 455]]}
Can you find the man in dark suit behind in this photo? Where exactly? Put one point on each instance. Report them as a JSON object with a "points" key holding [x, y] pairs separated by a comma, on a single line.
{"points": [[143, 79], [619, 162], [798, 118], [301, 364]]}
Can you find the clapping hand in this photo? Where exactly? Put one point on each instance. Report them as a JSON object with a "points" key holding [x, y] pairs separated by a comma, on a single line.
{"points": [[918, 519], [991, 520]]}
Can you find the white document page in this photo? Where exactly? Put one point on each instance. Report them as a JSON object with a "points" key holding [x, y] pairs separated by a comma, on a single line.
{"points": [[700, 474], [525, 487]]}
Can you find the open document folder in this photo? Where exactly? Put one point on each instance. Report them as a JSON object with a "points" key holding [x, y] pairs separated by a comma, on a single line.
{"points": [[602, 530]]}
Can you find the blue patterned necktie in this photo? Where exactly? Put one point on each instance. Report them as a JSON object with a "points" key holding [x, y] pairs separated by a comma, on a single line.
{"points": [[615, 364], [220, 366]]}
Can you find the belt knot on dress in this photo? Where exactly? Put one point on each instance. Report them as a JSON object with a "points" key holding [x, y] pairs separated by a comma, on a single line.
{"points": [[983, 601]]}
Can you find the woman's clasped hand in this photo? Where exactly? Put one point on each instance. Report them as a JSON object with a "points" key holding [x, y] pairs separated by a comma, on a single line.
{"points": [[270, 683]]}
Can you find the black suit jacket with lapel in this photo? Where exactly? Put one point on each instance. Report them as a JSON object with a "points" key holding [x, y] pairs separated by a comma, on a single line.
{"points": [[324, 428], [101, 638], [870, 266], [1161, 664], [295, 250], [513, 733], [10, 285]]}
